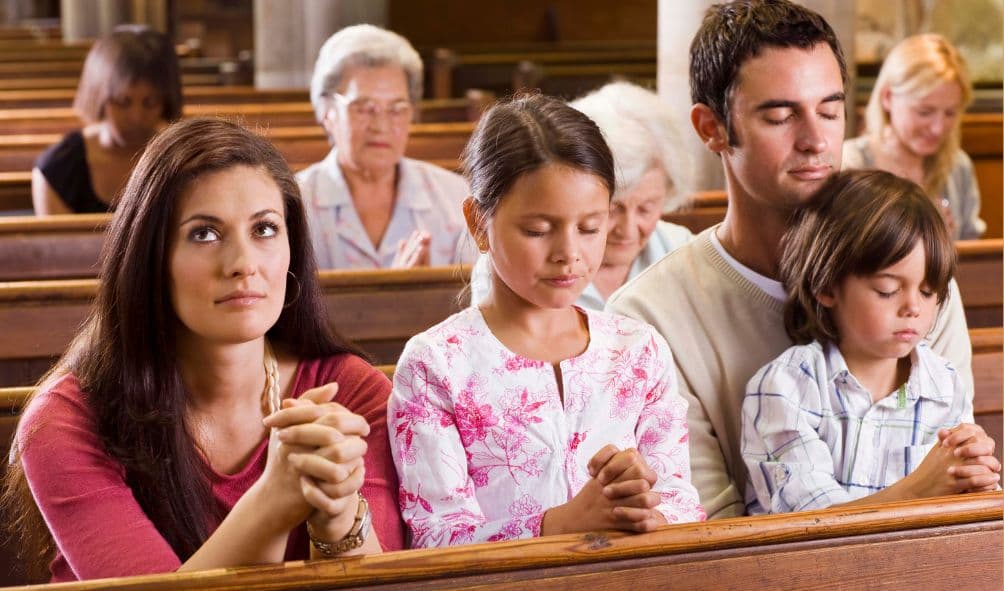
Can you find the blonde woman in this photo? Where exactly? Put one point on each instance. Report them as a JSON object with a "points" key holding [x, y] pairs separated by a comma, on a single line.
{"points": [[913, 128]]}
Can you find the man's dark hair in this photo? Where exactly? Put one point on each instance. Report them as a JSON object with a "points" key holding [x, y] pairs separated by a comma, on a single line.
{"points": [[737, 31]]}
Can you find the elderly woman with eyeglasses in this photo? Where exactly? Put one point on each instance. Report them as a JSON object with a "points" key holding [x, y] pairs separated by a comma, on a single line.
{"points": [[368, 205]]}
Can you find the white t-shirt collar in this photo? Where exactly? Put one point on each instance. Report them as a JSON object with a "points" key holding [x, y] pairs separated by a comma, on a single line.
{"points": [[773, 288]]}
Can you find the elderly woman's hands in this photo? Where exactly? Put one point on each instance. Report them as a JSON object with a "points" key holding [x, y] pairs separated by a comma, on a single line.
{"points": [[414, 251], [327, 449]]}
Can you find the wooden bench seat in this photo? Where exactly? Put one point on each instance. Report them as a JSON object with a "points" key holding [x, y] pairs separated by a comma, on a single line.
{"points": [[930, 544]]}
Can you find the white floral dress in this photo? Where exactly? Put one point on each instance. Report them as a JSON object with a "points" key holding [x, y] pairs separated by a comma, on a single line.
{"points": [[484, 444]]}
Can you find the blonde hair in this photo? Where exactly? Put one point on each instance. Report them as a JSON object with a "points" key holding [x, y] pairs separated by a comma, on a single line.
{"points": [[915, 67]]}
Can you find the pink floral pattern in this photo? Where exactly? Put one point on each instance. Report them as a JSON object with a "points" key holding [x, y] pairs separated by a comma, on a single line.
{"points": [[484, 445]]}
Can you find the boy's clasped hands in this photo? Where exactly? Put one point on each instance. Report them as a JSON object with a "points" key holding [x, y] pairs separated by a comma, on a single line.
{"points": [[962, 461]]}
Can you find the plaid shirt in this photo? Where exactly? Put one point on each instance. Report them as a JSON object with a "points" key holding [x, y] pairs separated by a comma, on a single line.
{"points": [[813, 438]]}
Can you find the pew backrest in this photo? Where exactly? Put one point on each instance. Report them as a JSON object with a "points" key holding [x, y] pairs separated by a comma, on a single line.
{"points": [[379, 310]]}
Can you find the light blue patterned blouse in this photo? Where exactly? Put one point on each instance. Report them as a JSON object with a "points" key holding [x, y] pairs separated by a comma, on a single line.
{"points": [[813, 438]]}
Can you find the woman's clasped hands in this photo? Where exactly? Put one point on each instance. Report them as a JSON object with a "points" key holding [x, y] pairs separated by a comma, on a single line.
{"points": [[315, 458]]}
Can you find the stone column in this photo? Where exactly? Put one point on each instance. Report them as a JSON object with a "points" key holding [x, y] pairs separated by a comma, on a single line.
{"points": [[80, 19], [678, 22], [112, 13], [151, 12], [289, 33], [89, 19]]}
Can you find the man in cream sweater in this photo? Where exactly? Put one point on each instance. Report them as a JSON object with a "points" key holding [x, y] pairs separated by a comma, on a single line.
{"points": [[767, 80]]}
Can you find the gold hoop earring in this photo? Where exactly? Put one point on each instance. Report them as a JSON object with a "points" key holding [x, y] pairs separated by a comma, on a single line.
{"points": [[297, 296]]}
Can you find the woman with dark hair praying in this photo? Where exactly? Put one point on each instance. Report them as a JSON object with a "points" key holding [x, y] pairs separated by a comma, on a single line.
{"points": [[205, 416]]}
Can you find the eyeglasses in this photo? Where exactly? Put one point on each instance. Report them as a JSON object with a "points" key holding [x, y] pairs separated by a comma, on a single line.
{"points": [[366, 110]]}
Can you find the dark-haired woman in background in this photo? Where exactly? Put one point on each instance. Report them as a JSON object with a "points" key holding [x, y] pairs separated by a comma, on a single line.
{"points": [[148, 448], [130, 88]]}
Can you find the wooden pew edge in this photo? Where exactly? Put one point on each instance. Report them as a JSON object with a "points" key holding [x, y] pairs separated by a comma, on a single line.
{"points": [[990, 247], [73, 222], [566, 550], [987, 339]]}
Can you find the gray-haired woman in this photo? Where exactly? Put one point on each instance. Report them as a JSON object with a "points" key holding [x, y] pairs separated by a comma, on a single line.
{"points": [[369, 206]]}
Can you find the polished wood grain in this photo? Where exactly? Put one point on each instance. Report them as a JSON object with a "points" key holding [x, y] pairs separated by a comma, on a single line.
{"points": [[927, 544]]}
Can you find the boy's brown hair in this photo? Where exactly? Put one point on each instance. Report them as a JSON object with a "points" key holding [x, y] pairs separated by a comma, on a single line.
{"points": [[858, 223]]}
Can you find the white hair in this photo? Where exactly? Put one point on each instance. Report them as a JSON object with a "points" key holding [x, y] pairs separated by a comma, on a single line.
{"points": [[639, 129], [367, 46]]}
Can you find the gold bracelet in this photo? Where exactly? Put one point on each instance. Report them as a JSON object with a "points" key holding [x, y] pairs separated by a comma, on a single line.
{"points": [[354, 539]]}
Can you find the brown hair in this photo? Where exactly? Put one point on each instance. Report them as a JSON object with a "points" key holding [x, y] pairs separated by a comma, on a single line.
{"points": [[858, 223], [519, 136], [916, 66], [128, 55], [735, 32], [124, 358]]}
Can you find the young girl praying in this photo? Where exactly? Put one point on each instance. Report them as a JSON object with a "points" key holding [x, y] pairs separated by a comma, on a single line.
{"points": [[861, 410], [527, 415]]}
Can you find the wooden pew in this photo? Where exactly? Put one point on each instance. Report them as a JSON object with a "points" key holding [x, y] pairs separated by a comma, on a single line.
{"points": [[451, 72], [71, 82], [266, 114], [67, 247], [378, 309], [15, 191], [53, 247], [440, 143], [929, 544], [35, 51], [988, 376], [705, 209], [194, 95], [983, 140], [981, 281], [572, 80], [21, 33]]}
